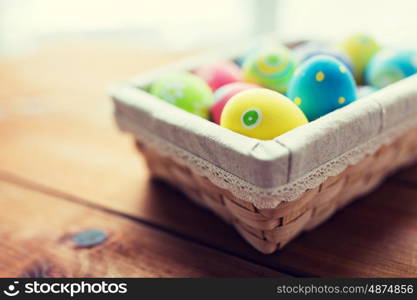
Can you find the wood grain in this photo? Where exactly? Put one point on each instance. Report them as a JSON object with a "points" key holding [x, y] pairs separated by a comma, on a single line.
{"points": [[373, 237], [36, 240], [55, 115], [61, 140]]}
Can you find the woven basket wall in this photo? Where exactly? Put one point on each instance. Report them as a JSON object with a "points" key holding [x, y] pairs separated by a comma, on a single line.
{"points": [[271, 229]]}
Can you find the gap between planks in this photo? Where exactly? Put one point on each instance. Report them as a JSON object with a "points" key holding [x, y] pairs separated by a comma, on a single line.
{"points": [[28, 184]]}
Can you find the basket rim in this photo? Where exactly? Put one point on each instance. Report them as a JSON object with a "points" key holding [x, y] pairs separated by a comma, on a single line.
{"points": [[281, 160]]}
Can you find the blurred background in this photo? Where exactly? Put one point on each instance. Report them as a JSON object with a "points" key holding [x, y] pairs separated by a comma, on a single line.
{"points": [[188, 24]]}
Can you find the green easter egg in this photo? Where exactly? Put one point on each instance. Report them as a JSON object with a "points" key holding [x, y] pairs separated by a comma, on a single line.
{"points": [[186, 91], [271, 67]]}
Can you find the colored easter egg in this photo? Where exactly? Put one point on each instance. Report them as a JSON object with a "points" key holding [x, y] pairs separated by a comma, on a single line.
{"points": [[186, 91], [261, 113], [219, 74], [320, 85], [271, 67], [365, 90], [254, 48], [360, 48], [389, 66], [223, 94], [308, 50]]}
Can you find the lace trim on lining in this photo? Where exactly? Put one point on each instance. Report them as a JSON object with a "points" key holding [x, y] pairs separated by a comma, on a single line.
{"points": [[271, 197]]}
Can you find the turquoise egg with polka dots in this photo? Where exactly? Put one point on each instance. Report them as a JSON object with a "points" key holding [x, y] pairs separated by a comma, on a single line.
{"points": [[389, 66], [321, 85]]}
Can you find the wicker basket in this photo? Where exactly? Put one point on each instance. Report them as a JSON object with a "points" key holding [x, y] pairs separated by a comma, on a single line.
{"points": [[270, 229], [270, 222]]}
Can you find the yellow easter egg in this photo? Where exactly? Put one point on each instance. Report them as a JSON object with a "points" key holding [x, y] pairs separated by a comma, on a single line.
{"points": [[261, 113], [360, 48]]}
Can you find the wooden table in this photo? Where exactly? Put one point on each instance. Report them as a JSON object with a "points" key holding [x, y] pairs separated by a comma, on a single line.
{"points": [[65, 170]]}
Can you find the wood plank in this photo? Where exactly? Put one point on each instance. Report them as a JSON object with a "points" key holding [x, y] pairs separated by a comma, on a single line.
{"points": [[55, 115], [36, 239], [78, 64], [374, 237]]}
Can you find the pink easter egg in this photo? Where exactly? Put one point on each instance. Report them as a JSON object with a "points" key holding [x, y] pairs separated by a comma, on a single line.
{"points": [[219, 74], [223, 94]]}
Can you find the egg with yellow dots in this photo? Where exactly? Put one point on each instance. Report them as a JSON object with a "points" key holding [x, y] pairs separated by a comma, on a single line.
{"points": [[320, 85], [270, 67], [261, 113], [360, 48]]}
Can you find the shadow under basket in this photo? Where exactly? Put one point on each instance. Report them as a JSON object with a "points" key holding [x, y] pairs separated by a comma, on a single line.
{"points": [[271, 191], [270, 229]]}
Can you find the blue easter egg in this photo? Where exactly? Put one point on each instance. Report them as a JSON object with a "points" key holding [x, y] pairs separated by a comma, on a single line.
{"points": [[320, 85], [308, 50], [389, 66]]}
